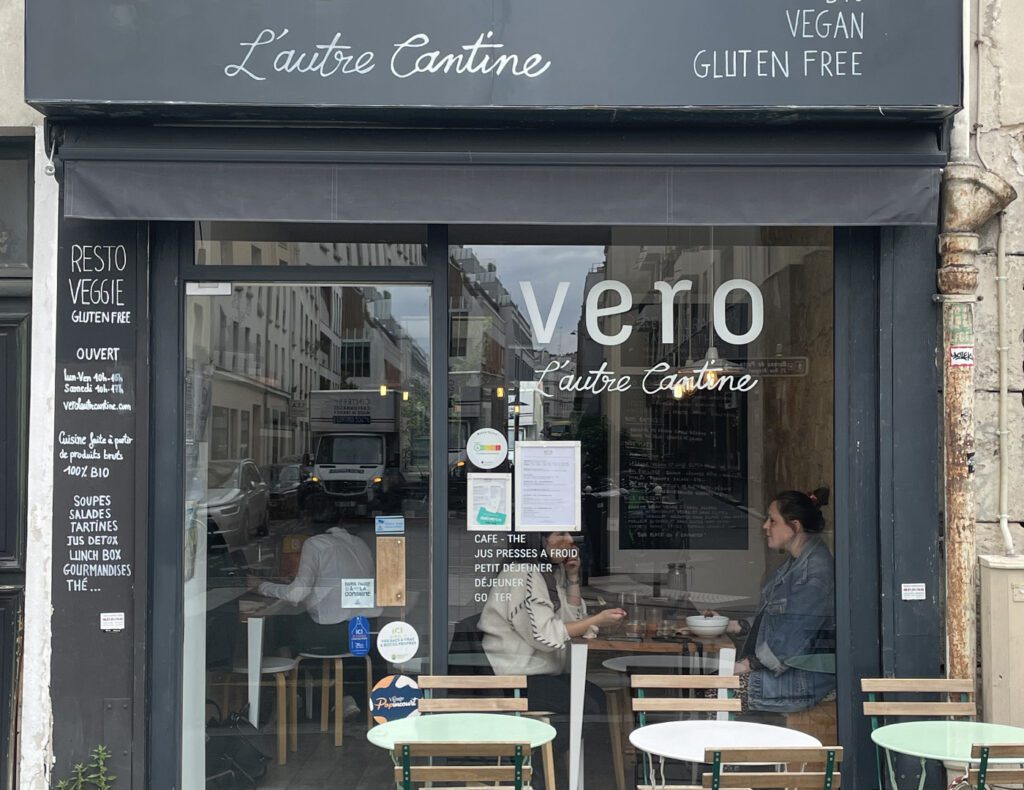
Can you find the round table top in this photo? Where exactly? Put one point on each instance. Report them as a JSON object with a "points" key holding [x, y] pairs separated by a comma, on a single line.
{"points": [[949, 741], [655, 661], [688, 740], [475, 727]]}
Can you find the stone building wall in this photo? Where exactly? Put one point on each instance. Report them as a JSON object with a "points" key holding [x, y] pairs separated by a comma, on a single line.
{"points": [[15, 115], [997, 85]]}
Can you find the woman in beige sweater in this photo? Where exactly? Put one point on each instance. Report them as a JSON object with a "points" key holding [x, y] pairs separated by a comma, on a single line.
{"points": [[527, 628]]}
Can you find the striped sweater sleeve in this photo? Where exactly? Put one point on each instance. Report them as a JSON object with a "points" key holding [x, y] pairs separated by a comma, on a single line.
{"points": [[534, 617]]}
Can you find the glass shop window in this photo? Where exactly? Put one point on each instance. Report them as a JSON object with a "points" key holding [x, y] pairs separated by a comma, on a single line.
{"points": [[693, 370]]}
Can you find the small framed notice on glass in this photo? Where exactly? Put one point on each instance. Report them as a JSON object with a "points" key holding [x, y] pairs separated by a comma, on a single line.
{"points": [[548, 487], [489, 501]]}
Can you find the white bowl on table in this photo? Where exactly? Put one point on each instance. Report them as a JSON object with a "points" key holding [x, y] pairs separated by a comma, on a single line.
{"points": [[699, 625]]}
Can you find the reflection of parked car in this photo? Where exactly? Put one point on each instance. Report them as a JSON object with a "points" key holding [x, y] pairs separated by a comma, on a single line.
{"points": [[285, 480], [237, 502]]}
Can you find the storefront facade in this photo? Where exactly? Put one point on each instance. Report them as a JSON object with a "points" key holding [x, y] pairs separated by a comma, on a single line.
{"points": [[705, 268]]}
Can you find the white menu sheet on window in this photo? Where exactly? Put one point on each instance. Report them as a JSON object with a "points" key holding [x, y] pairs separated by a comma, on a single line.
{"points": [[548, 489]]}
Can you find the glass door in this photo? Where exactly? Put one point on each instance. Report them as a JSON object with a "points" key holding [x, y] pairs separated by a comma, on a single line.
{"points": [[691, 370], [307, 469]]}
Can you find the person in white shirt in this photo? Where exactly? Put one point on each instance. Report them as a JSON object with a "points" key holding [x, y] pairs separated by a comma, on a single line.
{"points": [[326, 560]]}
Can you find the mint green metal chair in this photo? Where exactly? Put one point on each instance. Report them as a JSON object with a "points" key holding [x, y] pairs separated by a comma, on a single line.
{"points": [[819, 771], [916, 708], [1001, 774], [514, 775]]}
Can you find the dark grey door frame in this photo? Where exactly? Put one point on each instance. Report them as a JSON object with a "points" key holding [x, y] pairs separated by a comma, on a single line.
{"points": [[15, 356], [886, 504], [885, 462], [173, 265]]}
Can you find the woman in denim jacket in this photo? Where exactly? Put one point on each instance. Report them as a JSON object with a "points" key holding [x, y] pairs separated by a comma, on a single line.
{"points": [[796, 617]]}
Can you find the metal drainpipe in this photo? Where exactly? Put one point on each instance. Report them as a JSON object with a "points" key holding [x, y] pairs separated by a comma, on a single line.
{"points": [[958, 281], [1004, 364], [971, 197]]}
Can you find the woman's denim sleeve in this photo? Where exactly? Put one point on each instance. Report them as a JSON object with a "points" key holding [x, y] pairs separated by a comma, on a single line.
{"points": [[796, 616]]}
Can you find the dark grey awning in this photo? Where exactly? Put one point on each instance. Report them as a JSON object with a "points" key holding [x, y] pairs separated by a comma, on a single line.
{"points": [[503, 178]]}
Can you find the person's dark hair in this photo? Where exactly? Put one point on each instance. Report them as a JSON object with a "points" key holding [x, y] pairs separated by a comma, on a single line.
{"points": [[537, 542], [805, 508]]}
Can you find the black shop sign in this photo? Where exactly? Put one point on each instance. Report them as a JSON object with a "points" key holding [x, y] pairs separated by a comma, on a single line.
{"points": [[264, 56]]}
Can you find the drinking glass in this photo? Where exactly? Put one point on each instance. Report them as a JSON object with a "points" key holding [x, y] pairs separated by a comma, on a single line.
{"points": [[635, 623], [653, 621]]}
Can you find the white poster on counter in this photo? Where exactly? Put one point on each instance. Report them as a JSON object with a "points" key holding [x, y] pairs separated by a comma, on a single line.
{"points": [[489, 501], [547, 487]]}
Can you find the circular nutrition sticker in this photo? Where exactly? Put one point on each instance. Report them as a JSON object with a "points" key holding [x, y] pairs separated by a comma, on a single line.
{"points": [[394, 697], [397, 642], [487, 448]]}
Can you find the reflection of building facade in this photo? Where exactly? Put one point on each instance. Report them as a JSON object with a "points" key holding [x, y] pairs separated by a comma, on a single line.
{"points": [[271, 347], [477, 348], [559, 406], [488, 327]]}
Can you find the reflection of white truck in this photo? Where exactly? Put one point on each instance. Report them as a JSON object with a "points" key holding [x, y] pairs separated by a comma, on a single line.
{"points": [[356, 447]]}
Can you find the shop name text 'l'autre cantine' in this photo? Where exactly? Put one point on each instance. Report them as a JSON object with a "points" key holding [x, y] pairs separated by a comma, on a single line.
{"points": [[659, 377]]}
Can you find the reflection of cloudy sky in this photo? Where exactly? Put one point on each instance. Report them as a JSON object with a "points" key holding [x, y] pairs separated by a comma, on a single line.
{"points": [[410, 306], [545, 266]]}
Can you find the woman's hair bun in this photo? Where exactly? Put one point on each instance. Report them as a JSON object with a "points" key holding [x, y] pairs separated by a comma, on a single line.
{"points": [[819, 496], [804, 507]]}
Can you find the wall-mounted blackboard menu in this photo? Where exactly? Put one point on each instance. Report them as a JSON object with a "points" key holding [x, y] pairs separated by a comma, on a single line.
{"points": [[687, 473], [99, 463]]}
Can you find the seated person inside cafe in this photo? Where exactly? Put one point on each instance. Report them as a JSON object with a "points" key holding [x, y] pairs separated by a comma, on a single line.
{"points": [[780, 664], [528, 632], [326, 559]]}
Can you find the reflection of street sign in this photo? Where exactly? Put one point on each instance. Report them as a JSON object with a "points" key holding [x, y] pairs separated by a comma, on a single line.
{"points": [[776, 367], [297, 410], [526, 400]]}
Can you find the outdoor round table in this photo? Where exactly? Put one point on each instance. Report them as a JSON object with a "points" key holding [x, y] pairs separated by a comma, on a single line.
{"points": [[462, 727], [946, 741], [688, 740]]}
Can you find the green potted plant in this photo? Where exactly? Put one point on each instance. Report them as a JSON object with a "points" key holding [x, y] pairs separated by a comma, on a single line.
{"points": [[94, 775]]}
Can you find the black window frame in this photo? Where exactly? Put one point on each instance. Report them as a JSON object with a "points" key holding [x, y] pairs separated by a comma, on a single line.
{"points": [[15, 323], [21, 149]]}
